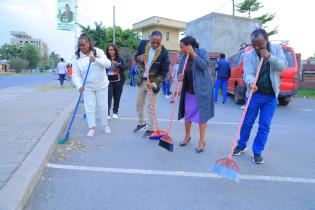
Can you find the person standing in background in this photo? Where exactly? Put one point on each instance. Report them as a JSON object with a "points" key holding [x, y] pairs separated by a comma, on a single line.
{"points": [[174, 80], [223, 70], [116, 78], [61, 71], [167, 84], [69, 66]]}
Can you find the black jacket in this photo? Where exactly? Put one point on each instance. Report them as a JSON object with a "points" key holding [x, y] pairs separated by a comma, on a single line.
{"points": [[159, 67]]}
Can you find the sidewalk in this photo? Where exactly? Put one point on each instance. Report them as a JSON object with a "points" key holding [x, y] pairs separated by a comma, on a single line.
{"points": [[26, 115]]}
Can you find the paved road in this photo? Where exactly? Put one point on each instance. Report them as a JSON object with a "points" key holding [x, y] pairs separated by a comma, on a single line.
{"points": [[26, 80], [124, 171], [26, 114]]}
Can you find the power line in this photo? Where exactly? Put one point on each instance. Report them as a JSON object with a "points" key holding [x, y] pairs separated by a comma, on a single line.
{"points": [[223, 5]]}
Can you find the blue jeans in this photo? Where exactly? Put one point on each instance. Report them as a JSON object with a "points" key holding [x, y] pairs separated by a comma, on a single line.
{"points": [[221, 83], [166, 88], [61, 78], [267, 105]]}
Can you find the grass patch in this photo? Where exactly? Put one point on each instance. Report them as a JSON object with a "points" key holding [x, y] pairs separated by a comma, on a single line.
{"points": [[306, 92], [22, 73]]}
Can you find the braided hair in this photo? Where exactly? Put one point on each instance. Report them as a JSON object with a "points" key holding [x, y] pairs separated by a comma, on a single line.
{"points": [[87, 38]]}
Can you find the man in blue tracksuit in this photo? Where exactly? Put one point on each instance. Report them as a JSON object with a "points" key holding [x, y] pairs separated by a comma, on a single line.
{"points": [[223, 74], [266, 90]]}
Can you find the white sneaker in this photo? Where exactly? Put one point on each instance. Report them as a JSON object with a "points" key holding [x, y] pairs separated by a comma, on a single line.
{"points": [[243, 107], [115, 116], [108, 117], [107, 130], [91, 132]]}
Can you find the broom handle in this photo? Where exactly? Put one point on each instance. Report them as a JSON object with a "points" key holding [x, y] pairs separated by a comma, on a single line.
{"points": [[179, 85], [78, 102], [151, 98], [246, 107]]}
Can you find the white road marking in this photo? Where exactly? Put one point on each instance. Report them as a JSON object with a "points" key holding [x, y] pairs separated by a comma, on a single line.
{"points": [[178, 173], [181, 121]]}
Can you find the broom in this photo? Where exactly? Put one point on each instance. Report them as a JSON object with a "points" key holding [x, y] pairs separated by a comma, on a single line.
{"points": [[166, 141], [226, 167], [157, 134], [66, 137]]}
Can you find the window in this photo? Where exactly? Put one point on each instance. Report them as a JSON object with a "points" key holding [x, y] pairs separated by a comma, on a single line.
{"points": [[240, 59], [290, 57], [168, 36], [235, 60]]}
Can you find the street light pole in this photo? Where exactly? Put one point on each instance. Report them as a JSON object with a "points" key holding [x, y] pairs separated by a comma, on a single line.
{"points": [[114, 26], [233, 2]]}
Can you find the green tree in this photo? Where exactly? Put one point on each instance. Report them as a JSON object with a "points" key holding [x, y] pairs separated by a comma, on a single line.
{"points": [[18, 64], [9, 51], [102, 36], [32, 55], [312, 57], [53, 60], [266, 18], [248, 6]]}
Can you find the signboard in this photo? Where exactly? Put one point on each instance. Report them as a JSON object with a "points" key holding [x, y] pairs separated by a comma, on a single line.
{"points": [[66, 16]]}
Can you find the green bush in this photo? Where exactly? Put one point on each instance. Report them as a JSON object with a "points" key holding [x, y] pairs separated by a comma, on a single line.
{"points": [[18, 64]]}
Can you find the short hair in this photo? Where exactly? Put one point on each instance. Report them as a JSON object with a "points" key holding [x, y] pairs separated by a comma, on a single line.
{"points": [[62, 60], [222, 55], [156, 33], [259, 31]]}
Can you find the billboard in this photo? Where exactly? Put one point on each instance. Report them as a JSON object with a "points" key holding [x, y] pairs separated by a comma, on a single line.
{"points": [[66, 17]]}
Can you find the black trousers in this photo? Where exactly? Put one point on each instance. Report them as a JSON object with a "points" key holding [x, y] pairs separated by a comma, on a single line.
{"points": [[114, 91]]}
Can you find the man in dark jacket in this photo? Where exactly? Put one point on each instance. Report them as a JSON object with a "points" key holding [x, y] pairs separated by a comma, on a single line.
{"points": [[152, 62], [223, 74]]}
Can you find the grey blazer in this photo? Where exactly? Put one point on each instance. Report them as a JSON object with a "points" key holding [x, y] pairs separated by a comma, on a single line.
{"points": [[203, 86]]}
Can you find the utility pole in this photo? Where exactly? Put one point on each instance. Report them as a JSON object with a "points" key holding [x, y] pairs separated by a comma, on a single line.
{"points": [[114, 26], [75, 24], [233, 2]]}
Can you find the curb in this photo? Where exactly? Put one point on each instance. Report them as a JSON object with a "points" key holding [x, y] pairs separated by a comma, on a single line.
{"points": [[15, 194]]}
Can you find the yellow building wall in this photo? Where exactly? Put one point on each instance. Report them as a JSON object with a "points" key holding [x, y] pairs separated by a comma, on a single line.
{"points": [[172, 44]]}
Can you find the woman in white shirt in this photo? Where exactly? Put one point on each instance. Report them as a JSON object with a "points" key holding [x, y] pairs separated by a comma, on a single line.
{"points": [[96, 87]]}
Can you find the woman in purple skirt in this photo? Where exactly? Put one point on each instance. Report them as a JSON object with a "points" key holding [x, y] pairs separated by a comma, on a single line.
{"points": [[196, 102]]}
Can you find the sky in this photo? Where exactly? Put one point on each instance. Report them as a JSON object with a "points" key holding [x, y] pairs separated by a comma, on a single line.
{"points": [[295, 19]]}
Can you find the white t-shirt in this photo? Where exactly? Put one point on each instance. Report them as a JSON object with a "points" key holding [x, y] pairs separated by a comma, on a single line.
{"points": [[61, 68]]}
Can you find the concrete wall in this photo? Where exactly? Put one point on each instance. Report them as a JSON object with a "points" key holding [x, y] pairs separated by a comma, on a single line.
{"points": [[172, 44], [222, 33]]}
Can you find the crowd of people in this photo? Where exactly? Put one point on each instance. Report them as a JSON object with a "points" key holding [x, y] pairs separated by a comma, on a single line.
{"points": [[152, 72]]}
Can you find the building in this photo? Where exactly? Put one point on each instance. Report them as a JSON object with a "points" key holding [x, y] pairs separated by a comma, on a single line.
{"points": [[22, 38], [169, 28], [218, 32], [4, 65]]}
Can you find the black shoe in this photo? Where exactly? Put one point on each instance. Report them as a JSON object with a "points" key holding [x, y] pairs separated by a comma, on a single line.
{"points": [[238, 151], [147, 134], [199, 150], [139, 128], [258, 159], [185, 142]]}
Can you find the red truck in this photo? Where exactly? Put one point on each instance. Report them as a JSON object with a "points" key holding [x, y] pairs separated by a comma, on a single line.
{"points": [[288, 78]]}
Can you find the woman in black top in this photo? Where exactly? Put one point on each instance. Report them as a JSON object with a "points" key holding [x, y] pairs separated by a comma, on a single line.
{"points": [[116, 78]]}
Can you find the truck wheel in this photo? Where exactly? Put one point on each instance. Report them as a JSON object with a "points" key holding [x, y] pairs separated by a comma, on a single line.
{"points": [[284, 101], [238, 98]]}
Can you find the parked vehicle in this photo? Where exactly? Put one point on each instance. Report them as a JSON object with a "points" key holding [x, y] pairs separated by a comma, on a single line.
{"points": [[288, 78]]}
